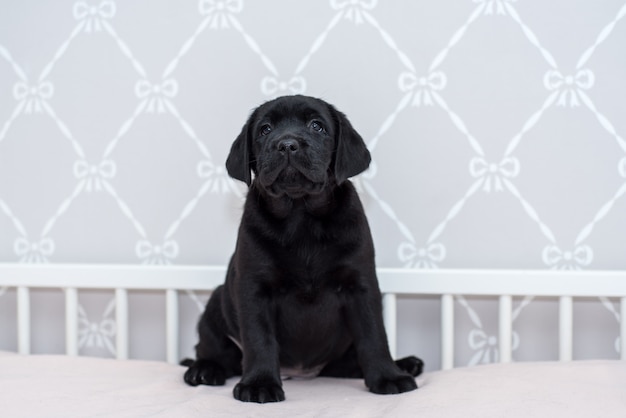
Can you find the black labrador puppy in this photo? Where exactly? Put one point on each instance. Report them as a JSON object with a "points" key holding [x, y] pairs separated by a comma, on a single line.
{"points": [[301, 296]]}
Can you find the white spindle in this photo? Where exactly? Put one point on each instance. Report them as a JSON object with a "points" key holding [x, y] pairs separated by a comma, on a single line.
{"points": [[623, 328], [566, 326], [23, 320], [171, 335], [71, 321], [505, 328], [390, 319], [447, 332], [121, 321]]}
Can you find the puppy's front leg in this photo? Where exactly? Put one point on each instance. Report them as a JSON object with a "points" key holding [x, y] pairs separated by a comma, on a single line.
{"points": [[260, 381], [365, 320]]}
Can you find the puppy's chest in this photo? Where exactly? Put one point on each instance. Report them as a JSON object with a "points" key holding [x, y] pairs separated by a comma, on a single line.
{"points": [[303, 289], [311, 266], [308, 233], [308, 314]]}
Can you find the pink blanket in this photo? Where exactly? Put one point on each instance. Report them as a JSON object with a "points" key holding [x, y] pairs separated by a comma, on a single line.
{"points": [[50, 386]]}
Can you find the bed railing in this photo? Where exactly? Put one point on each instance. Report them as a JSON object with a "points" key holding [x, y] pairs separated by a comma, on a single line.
{"points": [[504, 284]]}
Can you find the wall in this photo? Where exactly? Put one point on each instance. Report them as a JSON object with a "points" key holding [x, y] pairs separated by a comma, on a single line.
{"points": [[495, 126]]}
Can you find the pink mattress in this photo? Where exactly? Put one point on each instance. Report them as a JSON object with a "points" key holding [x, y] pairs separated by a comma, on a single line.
{"points": [[47, 385]]}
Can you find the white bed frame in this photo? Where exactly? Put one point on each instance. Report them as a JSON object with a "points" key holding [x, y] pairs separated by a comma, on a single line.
{"points": [[503, 284]]}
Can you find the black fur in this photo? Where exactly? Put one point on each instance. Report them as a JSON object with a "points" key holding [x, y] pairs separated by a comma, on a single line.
{"points": [[301, 295]]}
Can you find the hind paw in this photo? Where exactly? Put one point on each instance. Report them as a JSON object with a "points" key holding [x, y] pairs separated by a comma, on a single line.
{"points": [[412, 365]]}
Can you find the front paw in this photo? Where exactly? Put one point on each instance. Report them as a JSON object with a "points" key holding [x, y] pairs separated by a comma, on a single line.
{"points": [[397, 384], [205, 372], [261, 392], [412, 365]]}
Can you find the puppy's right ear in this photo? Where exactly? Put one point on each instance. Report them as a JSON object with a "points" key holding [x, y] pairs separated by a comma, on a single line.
{"points": [[239, 162]]}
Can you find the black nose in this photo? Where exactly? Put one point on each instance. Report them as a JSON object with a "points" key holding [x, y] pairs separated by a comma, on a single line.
{"points": [[288, 145]]}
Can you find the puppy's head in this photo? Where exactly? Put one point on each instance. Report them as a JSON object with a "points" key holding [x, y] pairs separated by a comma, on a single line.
{"points": [[295, 146]]}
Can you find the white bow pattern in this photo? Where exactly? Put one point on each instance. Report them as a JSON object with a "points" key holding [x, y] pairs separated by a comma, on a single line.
{"points": [[33, 252], [93, 15], [270, 85], [479, 168], [34, 96], [567, 260], [427, 257], [424, 87], [487, 346], [571, 85], [94, 175], [216, 175], [155, 96], [157, 254], [353, 8], [219, 11], [97, 334], [496, 6]]}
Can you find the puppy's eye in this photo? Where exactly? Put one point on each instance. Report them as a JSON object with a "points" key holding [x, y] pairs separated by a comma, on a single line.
{"points": [[265, 129], [317, 127]]}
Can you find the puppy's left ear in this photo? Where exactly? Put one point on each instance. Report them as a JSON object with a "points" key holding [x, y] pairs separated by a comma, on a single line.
{"points": [[240, 162], [351, 154]]}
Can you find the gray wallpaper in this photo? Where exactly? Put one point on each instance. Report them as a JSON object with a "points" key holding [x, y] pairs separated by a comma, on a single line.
{"points": [[496, 129]]}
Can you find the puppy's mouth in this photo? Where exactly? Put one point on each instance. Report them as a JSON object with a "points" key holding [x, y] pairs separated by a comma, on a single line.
{"points": [[292, 182]]}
